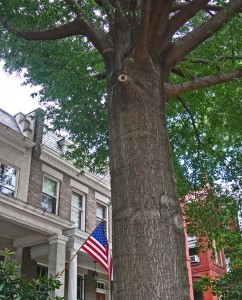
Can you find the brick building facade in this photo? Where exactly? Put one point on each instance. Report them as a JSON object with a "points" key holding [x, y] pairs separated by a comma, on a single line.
{"points": [[46, 210]]}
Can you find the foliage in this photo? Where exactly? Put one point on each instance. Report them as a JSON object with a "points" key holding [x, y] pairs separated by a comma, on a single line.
{"points": [[214, 218], [228, 287], [13, 286]]}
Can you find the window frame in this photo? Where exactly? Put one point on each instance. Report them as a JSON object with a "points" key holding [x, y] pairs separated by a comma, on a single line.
{"points": [[42, 266], [218, 256], [82, 226], [2, 162], [83, 286], [193, 248], [98, 220], [2, 256], [57, 193]]}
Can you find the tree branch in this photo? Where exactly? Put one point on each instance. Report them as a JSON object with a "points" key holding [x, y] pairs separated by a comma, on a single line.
{"points": [[62, 31], [199, 142], [193, 39], [79, 26], [185, 14], [180, 5], [173, 90], [145, 22], [160, 10], [198, 138], [206, 61]]}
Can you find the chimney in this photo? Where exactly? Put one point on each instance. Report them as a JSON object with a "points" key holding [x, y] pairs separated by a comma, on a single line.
{"points": [[25, 124], [64, 143]]}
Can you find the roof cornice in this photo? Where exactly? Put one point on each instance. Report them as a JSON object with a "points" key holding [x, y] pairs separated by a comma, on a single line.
{"points": [[88, 179], [17, 140]]}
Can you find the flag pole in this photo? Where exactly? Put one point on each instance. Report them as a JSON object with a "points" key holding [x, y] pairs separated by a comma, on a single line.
{"points": [[68, 263]]}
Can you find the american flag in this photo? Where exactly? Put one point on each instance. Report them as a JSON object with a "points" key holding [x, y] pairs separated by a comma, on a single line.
{"points": [[97, 246]]}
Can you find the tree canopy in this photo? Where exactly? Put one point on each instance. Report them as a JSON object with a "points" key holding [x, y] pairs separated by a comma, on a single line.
{"points": [[203, 124]]}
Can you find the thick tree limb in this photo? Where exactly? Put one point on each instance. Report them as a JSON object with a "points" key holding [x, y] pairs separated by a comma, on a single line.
{"points": [[77, 27], [132, 7], [193, 39], [160, 10], [145, 22], [173, 90], [63, 31], [185, 14], [180, 5]]}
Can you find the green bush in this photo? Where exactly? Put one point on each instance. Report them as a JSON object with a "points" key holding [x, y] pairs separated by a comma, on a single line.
{"points": [[15, 287]]}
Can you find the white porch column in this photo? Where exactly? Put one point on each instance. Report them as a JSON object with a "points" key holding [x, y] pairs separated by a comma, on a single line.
{"points": [[57, 258], [72, 279]]}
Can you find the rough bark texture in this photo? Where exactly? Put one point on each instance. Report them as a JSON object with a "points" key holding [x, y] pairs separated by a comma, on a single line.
{"points": [[148, 235]]}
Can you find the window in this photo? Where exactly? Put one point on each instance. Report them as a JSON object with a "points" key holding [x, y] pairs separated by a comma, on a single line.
{"points": [[2, 256], [8, 180], [78, 210], [193, 249], [101, 215], [50, 190], [80, 287], [42, 271], [198, 295], [100, 285], [217, 255]]}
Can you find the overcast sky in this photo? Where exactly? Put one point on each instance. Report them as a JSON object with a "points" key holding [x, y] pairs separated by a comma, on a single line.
{"points": [[14, 97]]}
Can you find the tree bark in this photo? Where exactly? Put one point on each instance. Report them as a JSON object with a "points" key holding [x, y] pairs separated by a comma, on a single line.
{"points": [[148, 235]]}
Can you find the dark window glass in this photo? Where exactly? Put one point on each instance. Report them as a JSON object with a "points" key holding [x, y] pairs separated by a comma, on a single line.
{"points": [[193, 251], [49, 195], [42, 271], [198, 295], [80, 287]]}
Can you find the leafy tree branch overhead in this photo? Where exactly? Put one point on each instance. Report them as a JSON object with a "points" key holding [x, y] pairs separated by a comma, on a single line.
{"points": [[110, 72]]}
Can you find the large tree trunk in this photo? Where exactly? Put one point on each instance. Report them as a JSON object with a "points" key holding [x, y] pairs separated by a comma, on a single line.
{"points": [[148, 235]]}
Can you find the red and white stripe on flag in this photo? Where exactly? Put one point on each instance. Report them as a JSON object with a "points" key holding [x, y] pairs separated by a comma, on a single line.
{"points": [[97, 246]]}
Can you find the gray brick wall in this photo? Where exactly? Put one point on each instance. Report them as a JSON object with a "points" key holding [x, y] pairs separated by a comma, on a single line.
{"points": [[90, 287], [35, 183], [5, 243], [65, 198], [29, 266], [91, 211]]}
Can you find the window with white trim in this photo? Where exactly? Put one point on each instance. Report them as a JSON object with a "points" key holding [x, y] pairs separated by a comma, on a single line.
{"points": [[8, 180], [50, 191], [101, 215], [78, 210], [80, 287], [193, 249], [42, 271]]}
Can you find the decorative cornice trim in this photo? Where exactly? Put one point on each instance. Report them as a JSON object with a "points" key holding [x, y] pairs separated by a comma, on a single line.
{"points": [[27, 209], [17, 140], [88, 179]]}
